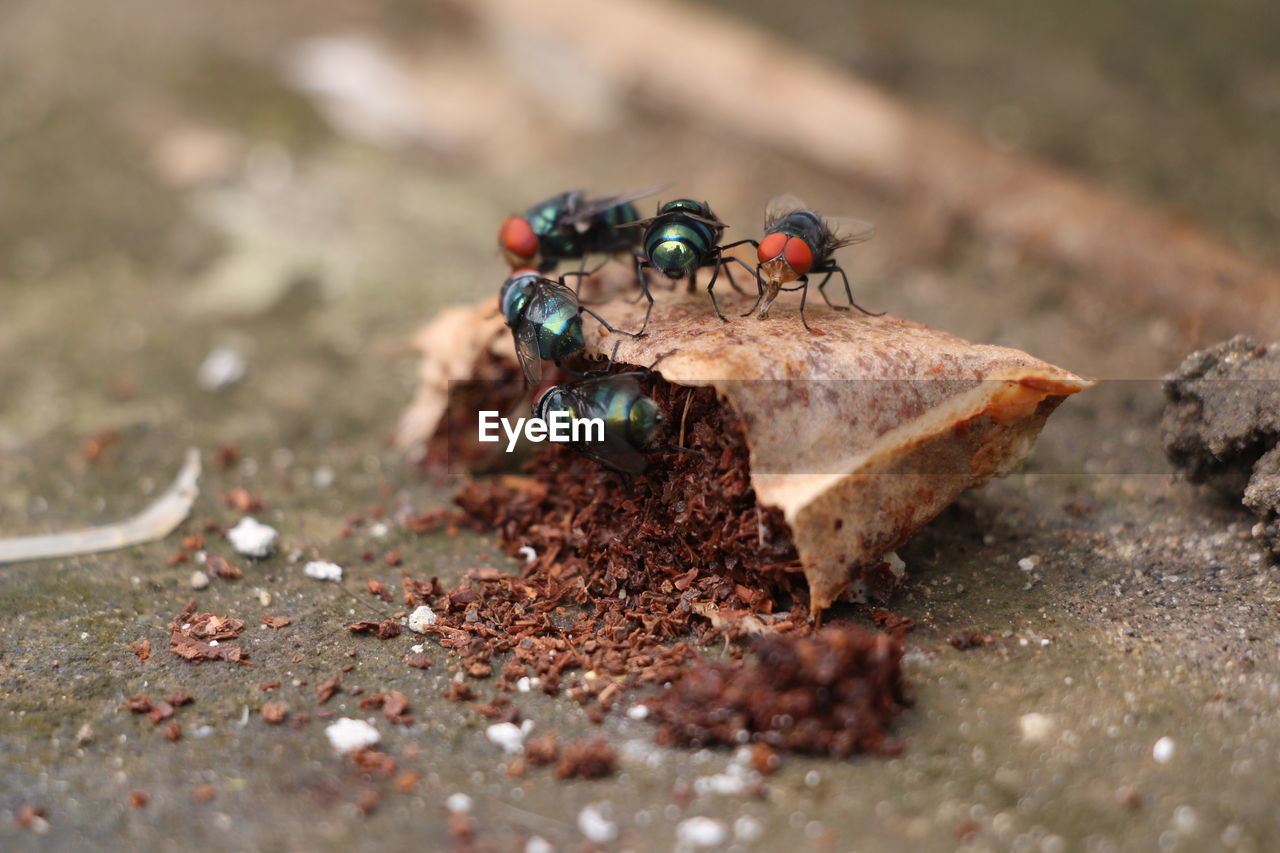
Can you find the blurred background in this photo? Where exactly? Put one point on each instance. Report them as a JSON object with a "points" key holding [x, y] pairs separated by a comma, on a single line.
{"points": [[222, 223], [307, 181]]}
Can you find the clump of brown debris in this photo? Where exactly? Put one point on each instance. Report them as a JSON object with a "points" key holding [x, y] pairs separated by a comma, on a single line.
{"points": [[620, 570], [834, 692]]}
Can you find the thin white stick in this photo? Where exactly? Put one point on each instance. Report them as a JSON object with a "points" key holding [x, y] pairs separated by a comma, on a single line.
{"points": [[155, 522]]}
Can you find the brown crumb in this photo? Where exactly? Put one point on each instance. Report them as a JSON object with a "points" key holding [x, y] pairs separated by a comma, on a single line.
{"points": [[966, 640], [326, 689], [417, 660], [219, 567], [194, 542], [226, 456], [176, 558], [32, 818], [461, 827], [833, 693], [173, 732], [275, 621], [139, 704], [160, 711], [393, 558], [459, 691], [586, 759], [242, 500], [378, 588], [138, 799], [764, 759], [178, 698], [542, 750], [203, 793], [192, 636], [891, 623], [368, 800], [275, 713], [142, 649], [384, 630], [407, 781], [270, 685], [94, 449]]}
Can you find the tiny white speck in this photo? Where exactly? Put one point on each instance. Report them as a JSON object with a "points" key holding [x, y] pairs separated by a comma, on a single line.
{"points": [[221, 368], [638, 712], [349, 735], [701, 832], [506, 735], [528, 553], [252, 538], [1162, 752], [595, 824], [458, 803], [748, 829], [1035, 727], [323, 571], [1028, 564]]}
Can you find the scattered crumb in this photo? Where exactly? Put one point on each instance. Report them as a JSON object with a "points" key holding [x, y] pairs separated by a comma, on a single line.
{"points": [[275, 713], [421, 618], [701, 832], [252, 538], [348, 735], [323, 571], [142, 649], [586, 759], [595, 822]]}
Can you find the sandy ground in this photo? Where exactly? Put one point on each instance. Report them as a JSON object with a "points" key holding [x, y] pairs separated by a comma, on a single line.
{"points": [[169, 190]]}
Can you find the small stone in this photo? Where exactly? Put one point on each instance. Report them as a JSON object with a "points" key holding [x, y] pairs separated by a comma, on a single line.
{"points": [[199, 580], [595, 823], [509, 736], [748, 829], [350, 735], [638, 712], [252, 538], [701, 832], [323, 571], [1163, 750], [221, 368], [422, 618], [1028, 564], [458, 803], [538, 844], [1035, 727]]}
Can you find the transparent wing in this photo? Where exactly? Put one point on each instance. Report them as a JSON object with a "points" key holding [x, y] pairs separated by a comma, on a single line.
{"points": [[780, 206], [591, 207], [526, 336], [844, 231]]}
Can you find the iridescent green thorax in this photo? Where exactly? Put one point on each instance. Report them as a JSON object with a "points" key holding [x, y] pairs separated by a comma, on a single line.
{"points": [[544, 219], [559, 238]]}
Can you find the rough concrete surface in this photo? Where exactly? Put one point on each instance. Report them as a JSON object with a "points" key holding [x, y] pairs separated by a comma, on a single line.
{"points": [[169, 191]]}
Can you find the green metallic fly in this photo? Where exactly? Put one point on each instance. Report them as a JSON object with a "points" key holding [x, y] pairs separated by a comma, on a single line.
{"points": [[680, 239], [570, 226], [545, 318], [632, 422]]}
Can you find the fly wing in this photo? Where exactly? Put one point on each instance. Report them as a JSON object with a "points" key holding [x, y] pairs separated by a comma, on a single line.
{"points": [[779, 206], [526, 336], [581, 213], [843, 231]]}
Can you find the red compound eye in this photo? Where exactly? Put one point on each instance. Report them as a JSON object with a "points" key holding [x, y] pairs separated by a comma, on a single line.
{"points": [[798, 254], [517, 239], [770, 247]]}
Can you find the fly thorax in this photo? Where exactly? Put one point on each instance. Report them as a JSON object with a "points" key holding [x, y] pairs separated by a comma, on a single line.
{"points": [[514, 295]]}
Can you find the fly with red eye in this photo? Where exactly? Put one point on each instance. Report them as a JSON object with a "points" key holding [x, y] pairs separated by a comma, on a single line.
{"points": [[798, 243], [570, 226]]}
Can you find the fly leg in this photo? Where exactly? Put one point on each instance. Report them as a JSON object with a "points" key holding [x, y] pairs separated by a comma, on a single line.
{"points": [[715, 273], [759, 292], [849, 292], [728, 272], [603, 322], [827, 299]]}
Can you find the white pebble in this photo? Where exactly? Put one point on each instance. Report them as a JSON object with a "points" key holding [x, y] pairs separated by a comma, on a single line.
{"points": [[748, 829], [1162, 752], [538, 844], [1028, 564], [422, 618], [199, 580], [349, 735], [458, 803], [701, 832], [896, 564], [322, 477], [252, 538], [506, 735], [525, 684], [379, 530], [221, 368], [638, 712], [595, 824], [323, 571], [528, 553], [1035, 727]]}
